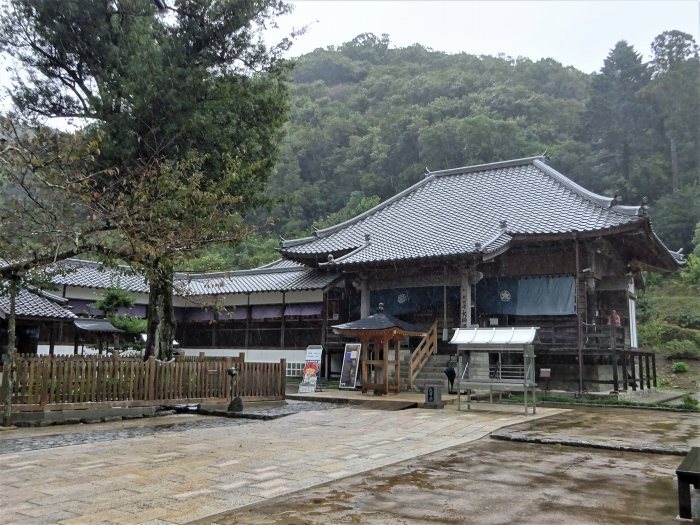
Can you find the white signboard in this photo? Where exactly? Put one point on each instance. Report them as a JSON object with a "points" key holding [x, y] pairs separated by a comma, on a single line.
{"points": [[312, 367]]}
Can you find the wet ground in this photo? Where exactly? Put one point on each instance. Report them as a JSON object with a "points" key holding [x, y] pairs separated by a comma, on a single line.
{"points": [[631, 429], [351, 466], [487, 483], [68, 435]]}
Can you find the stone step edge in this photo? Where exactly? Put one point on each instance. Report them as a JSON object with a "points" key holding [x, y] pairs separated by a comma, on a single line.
{"points": [[521, 437]]}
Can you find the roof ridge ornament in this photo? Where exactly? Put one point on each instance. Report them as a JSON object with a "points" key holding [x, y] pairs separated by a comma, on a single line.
{"points": [[644, 207]]}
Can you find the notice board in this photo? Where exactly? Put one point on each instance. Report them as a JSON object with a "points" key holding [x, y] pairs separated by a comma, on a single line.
{"points": [[312, 365], [351, 360]]}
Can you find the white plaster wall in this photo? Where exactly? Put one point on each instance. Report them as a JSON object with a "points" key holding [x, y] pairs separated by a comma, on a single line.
{"points": [[257, 355], [93, 294]]}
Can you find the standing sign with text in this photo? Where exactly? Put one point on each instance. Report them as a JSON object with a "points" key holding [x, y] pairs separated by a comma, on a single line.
{"points": [[312, 366], [351, 358]]}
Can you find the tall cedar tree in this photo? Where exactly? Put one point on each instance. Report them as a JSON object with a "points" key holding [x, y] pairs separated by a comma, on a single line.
{"points": [[185, 103], [615, 116]]}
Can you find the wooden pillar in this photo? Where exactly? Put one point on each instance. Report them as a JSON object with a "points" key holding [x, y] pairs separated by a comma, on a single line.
{"points": [[324, 322], [52, 338], [385, 371], [579, 333], [625, 383], [247, 322], [646, 362], [397, 364], [465, 302], [641, 371], [633, 370], [76, 340], [653, 367], [364, 299], [284, 303], [363, 362], [614, 358]]}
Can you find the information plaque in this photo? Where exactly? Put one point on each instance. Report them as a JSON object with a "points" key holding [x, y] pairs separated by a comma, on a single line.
{"points": [[351, 359]]}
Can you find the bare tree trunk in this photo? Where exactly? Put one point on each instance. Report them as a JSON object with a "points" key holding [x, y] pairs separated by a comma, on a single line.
{"points": [[161, 315], [9, 359]]}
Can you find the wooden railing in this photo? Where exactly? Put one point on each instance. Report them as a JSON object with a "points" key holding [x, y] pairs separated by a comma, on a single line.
{"points": [[54, 383], [427, 347]]}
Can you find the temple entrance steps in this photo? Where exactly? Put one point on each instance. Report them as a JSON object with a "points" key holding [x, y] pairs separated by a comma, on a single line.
{"points": [[432, 373]]}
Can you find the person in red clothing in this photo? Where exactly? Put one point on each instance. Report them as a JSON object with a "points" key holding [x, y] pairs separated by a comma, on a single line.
{"points": [[614, 318]]}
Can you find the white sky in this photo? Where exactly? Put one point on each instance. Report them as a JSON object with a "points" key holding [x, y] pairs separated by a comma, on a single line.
{"points": [[577, 33]]}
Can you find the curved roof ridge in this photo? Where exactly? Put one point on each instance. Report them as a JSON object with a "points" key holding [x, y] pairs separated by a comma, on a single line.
{"points": [[98, 265], [432, 175], [488, 166], [347, 255], [600, 200], [233, 273]]}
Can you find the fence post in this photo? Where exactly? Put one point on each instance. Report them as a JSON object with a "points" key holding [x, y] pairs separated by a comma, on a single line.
{"points": [[283, 377], [241, 357], [151, 392], [45, 380]]}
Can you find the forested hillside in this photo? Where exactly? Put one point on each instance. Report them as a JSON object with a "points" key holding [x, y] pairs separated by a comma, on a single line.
{"points": [[368, 120]]}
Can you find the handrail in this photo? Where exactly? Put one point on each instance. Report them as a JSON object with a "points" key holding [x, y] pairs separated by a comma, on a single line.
{"points": [[423, 351]]}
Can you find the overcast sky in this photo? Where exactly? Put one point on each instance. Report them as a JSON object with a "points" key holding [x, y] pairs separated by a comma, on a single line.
{"points": [[575, 33]]}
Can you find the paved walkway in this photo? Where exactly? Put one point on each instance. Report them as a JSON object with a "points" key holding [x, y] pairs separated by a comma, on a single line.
{"points": [[638, 430], [177, 477]]}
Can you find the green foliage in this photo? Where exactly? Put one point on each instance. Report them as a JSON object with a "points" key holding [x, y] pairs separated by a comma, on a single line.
{"points": [[682, 349], [357, 205], [369, 118], [657, 333], [186, 106], [112, 299], [679, 367], [691, 273], [690, 403], [128, 323]]}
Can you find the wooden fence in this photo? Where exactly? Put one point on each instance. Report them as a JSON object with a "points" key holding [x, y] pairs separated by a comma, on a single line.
{"points": [[61, 382]]}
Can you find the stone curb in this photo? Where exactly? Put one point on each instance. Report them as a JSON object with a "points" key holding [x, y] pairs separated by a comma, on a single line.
{"points": [[521, 437], [241, 415]]}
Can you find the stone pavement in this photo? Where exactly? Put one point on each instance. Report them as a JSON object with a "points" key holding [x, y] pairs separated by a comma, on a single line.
{"points": [[177, 477], [635, 430]]}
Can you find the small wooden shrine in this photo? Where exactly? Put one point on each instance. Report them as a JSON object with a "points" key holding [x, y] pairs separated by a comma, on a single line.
{"points": [[378, 334]]}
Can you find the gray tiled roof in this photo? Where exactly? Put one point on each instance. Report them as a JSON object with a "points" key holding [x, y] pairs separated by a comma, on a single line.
{"points": [[89, 274], [34, 305], [476, 209], [283, 279], [278, 276]]}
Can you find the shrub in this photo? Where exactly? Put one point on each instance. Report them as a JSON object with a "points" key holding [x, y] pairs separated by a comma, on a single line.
{"points": [[657, 332], [690, 403], [685, 320], [680, 367], [681, 350]]}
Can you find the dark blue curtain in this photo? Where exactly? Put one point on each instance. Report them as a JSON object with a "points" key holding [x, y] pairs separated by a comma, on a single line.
{"points": [[526, 296], [402, 301]]}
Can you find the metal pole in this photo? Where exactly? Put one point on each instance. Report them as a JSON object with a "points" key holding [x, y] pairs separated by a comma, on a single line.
{"points": [[578, 320]]}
